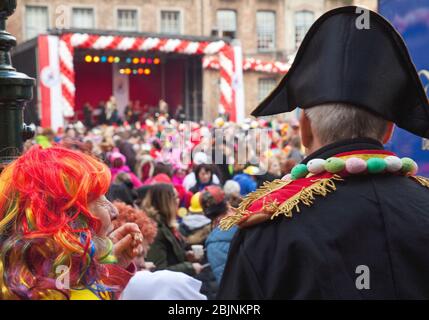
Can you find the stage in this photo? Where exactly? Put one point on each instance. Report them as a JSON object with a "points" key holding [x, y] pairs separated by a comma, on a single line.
{"points": [[139, 76]]}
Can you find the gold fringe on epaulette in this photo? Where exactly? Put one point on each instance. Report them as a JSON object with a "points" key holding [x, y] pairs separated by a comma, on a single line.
{"points": [[422, 180], [268, 187], [306, 196], [262, 191]]}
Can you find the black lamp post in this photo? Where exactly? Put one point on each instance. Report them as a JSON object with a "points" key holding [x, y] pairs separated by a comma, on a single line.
{"points": [[16, 89]]}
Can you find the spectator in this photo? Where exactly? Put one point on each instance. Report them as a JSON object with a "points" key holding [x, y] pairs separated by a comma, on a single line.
{"points": [[118, 165], [215, 208], [54, 209], [232, 193], [168, 250], [247, 180], [190, 180], [147, 226], [204, 177]]}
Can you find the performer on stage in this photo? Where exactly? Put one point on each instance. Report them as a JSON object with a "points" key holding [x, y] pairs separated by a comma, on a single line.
{"points": [[352, 219]]}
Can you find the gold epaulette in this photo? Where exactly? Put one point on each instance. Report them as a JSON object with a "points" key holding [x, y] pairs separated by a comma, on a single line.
{"points": [[421, 180], [271, 208]]}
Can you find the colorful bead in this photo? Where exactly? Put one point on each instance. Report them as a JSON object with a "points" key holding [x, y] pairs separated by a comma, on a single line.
{"points": [[316, 166], [394, 164], [335, 165], [415, 169], [355, 165], [376, 165], [409, 166], [299, 171]]}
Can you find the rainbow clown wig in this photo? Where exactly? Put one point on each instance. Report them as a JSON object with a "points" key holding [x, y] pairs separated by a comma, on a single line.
{"points": [[46, 227]]}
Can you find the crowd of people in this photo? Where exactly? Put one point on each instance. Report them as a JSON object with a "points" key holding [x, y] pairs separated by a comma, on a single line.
{"points": [[177, 204], [134, 111], [156, 208]]}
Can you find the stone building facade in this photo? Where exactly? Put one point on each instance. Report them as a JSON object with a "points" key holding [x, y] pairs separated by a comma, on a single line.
{"points": [[270, 30]]}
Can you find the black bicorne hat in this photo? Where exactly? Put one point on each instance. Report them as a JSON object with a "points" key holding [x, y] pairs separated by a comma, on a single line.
{"points": [[341, 63]]}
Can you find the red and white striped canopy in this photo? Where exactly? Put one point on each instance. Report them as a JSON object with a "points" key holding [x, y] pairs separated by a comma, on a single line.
{"points": [[225, 62]]}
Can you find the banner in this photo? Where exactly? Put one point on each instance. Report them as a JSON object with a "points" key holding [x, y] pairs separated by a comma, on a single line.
{"points": [[121, 89], [238, 83], [49, 79]]}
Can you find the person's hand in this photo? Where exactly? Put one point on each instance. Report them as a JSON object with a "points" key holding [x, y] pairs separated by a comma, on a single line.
{"points": [[127, 243], [197, 267], [150, 266], [190, 256]]}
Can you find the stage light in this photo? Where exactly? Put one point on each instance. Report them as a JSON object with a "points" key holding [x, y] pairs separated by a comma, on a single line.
{"points": [[88, 58], [140, 71], [156, 61], [117, 59], [143, 60], [147, 71], [149, 61], [96, 59], [111, 59], [136, 60]]}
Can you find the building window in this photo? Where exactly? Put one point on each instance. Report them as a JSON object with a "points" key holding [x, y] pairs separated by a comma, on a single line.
{"points": [[227, 23], [303, 21], [265, 86], [171, 22], [83, 18], [127, 20], [36, 21], [266, 30]]}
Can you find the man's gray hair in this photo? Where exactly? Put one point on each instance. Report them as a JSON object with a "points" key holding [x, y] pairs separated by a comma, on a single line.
{"points": [[337, 121]]}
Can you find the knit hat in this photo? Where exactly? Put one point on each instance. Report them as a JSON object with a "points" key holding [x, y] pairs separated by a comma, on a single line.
{"points": [[117, 155], [231, 186], [213, 201]]}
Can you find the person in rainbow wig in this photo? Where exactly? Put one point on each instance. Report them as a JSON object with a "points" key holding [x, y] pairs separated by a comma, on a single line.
{"points": [[56, 239]]}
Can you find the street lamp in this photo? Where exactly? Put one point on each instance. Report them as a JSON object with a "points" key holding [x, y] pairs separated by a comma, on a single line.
{"points": [[16, 89]]}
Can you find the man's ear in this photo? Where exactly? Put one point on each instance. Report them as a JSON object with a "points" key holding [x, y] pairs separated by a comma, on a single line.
{"points": [[389, 132], [307, 137]]}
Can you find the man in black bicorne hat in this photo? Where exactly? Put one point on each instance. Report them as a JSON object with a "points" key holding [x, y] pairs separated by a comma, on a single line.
{"points": [[352, 220]]}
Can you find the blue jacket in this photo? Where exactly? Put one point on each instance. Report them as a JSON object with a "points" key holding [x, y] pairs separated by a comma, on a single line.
{"points": [[217, 245]]}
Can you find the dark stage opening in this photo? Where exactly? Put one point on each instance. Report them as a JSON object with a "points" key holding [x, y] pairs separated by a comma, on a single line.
{"points": [[151, 76]]}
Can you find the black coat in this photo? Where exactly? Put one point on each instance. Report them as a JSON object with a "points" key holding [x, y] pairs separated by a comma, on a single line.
{"points": [[379, 221]]}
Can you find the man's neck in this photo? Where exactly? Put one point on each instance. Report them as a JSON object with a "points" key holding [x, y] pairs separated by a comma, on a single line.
{"points": [[344, 146]]}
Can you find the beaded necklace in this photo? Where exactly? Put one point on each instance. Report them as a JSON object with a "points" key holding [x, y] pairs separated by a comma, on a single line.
{"points": [[355, 165]]}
